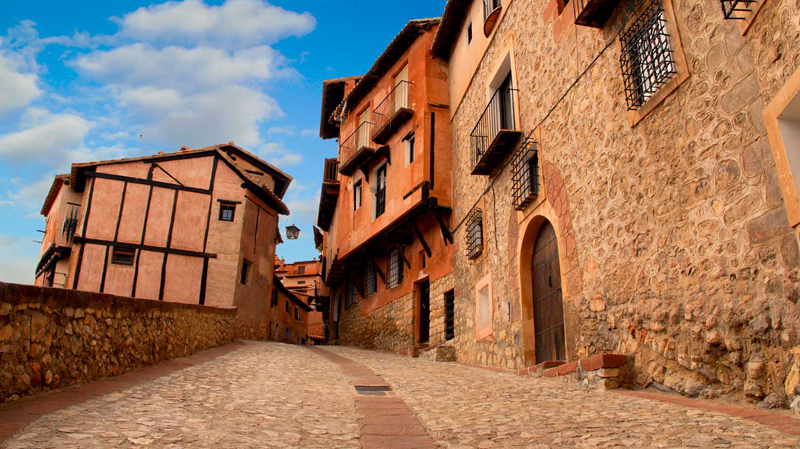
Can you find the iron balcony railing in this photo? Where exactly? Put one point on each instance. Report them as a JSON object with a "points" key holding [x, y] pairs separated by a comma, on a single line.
{"points": [[498, 116], [399, 99], [361, 138], [593, 13]]}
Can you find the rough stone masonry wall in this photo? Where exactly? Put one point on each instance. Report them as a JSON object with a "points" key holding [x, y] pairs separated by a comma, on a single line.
{"points": [[53, 338], [683, 250], [390, 327]]}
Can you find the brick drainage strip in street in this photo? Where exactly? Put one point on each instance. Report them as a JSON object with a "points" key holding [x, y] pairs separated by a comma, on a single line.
{"points": [[16, 415], [387, 423]]}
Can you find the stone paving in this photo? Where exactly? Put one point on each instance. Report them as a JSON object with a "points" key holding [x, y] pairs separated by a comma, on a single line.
{"points": [[466, 407], [262, 395], [275, 395]]}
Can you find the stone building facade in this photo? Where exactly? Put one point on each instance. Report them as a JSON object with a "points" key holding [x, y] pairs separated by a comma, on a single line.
{"points": [[385, 200], [672, 237], [195, 227]]}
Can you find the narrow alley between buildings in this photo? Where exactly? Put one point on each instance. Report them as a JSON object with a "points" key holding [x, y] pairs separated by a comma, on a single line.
{"points": [[256, 394]]}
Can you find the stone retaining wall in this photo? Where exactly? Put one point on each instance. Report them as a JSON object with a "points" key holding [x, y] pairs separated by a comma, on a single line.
{"points": [[53, 338], [390, 327]]}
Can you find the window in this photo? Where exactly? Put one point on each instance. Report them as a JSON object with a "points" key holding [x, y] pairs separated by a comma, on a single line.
{"points": [[351, 295], [646, 58], [483, 308], [123, 256], [411, 149], [245, 270], [226, 211], [525, 181], [450, 314], [274, 297], [782, 119], [296, 313], [469, 33], [287, 334], [301, 282], [301, 269], [395, 268], [380, 192], [357, 196], [286, 306], [371, 279], [474, 234]]}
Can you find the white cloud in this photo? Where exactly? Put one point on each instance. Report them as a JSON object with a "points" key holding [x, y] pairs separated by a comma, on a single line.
{"points": [[277, 154], [30, 195], [46, 137], [121, 135], [309, 132], [18, 259], [303, 209], [213, 116], [182, 68], [235, 23], [290, 130], [17, 89]]}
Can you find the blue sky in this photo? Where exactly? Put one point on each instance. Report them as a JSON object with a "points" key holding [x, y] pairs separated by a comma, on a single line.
{"points": [[83, 80]]}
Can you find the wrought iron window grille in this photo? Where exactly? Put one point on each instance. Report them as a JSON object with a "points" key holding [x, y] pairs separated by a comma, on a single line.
{"points": [[474, 234], [371, 279], [450, 314], [736, 9], [525, 180], [395, 268], [646, 58], [351, 295]]}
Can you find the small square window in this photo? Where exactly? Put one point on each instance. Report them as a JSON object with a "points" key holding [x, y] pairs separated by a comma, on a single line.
{"points": [[395, 268], [474, 234], [301, 269], [296, 313], [371, 279], [411, 149], [286, 306], [646, 56], [123, 256], [301, 282], [469, 33], [357, 196], [245, 271], [226, 211]]}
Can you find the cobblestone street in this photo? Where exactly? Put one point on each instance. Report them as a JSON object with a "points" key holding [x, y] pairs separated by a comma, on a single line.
{"points": [[275, 395]]}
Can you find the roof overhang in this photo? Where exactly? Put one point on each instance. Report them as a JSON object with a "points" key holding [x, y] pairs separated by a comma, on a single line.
{"points": [[454, 14], [58, 182]]}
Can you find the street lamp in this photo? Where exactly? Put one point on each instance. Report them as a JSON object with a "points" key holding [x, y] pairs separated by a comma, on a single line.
{"points": [[292, 232]]}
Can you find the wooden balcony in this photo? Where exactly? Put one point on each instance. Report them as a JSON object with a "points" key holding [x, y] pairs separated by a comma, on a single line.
{"points": [[392, 112], [329, 194], [356, 149], [593, 13]]}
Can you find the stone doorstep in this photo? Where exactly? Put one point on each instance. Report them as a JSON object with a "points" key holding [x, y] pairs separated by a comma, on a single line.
{"points": [[604, 363]]}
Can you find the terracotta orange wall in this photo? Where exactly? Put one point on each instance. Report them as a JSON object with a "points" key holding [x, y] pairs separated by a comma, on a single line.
{"points": [[352, 228], [280, 320], [258, 235], [182, 281]]}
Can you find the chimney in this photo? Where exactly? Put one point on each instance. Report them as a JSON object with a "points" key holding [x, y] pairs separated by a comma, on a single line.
{"points": [[186, 149]]}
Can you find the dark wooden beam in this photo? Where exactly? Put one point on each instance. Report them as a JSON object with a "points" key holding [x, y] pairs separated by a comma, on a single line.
{"points": [[155, 249], [446, 234], [147, 182], [378, 270], [422, 240], [403, 256]]}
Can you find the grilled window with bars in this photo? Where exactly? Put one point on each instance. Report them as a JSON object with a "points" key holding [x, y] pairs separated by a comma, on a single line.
{"points": [[450, 315], [395, 268], [474, 234], [351, 295], [371, 279], [736, 9], [525, 182], [646, 58]]}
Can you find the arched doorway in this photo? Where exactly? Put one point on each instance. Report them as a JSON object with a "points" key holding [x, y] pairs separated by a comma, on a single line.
{"points": [[548, 305]]}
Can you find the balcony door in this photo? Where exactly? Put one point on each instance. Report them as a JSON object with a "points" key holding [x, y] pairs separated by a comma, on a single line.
{"points": [[363, 137], [505, 93], [401, 90]]}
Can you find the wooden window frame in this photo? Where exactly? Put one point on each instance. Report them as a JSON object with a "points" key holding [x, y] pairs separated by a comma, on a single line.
{"points": [[123, 252], [223, 206]]}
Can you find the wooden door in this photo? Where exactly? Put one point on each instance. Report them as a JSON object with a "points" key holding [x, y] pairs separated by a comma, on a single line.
{"points": [[548, 306], [424, 312]]}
